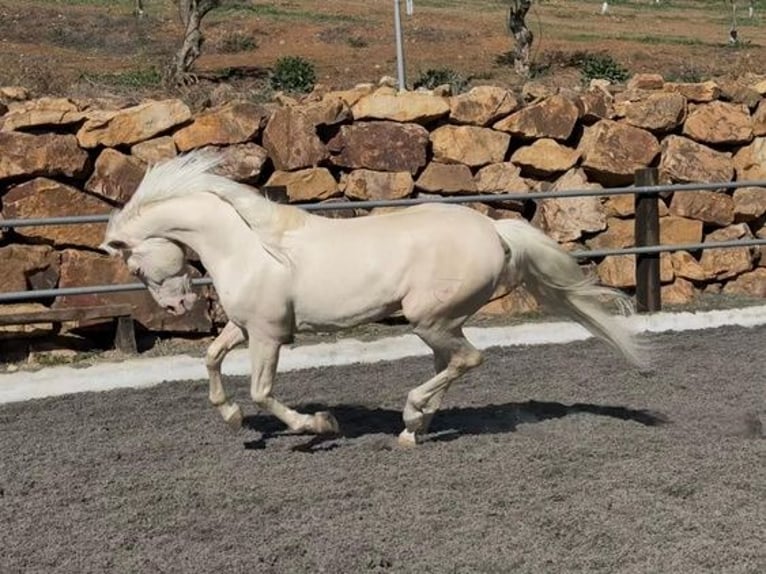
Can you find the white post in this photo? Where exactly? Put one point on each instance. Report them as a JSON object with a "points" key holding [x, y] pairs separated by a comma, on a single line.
{"points": [[399, 47]]}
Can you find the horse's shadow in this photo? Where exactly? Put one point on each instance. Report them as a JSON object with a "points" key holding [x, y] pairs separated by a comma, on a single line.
{"points": [[448, 424]]}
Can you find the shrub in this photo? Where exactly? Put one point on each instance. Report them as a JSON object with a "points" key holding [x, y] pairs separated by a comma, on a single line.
{"points": [[432, 78], [237, 42], [600, 66], [293, 74]]}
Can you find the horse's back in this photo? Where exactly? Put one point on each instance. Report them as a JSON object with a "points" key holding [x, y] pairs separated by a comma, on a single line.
{"points": [[430, 257]]}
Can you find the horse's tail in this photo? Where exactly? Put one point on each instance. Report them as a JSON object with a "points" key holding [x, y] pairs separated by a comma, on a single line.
{"points": [[556, 280]]}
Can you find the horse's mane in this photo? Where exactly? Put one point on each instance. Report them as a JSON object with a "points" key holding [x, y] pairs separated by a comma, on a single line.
{"points": [[190, 173]]}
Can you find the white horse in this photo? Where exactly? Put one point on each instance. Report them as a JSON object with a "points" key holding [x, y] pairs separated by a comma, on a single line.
{"points": [[279, 270]]}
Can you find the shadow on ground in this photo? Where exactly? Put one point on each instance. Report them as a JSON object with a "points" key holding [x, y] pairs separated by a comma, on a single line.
{"points": [[357, 420]]}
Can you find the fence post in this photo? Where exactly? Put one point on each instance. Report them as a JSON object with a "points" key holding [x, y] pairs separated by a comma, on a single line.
{"points": [[647, 232]]}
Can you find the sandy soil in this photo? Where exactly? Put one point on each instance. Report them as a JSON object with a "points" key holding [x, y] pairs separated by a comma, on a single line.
{"points": [[547, 459]]}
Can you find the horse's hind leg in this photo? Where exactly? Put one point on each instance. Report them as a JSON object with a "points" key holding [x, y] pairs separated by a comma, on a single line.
{"points": [[230, 337], [441, 361], [455, 355]]}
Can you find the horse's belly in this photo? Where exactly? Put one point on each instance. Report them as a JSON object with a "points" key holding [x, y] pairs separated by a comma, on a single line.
{"points": [[343, 300], [315, 322]]}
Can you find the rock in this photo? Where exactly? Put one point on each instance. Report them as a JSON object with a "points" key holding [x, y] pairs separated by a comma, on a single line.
{"points": [[517, 302], [686, 161], [620, 270], [707, 206], [686, 266], [116, 176], [42, 112], [760, 250], [700, 92], [554, 117], [680, 292], [14, 93], [404, 107], [494, 212], [47, 155], [759, 86], [759, 120], [536, 91], [750, 161], [660, 112], [501, 178], [567, 218], [619, 233], [232, 123], [380, 146], [676, 230], [470, 145], [738, 93], [446, 178], [749, 203], [43, 197], [646, 82], [612, 152], [596, 104], [28, 267], [725, 263], [154, 151], [482, 105], [291, 140], [241, 162], [83, 268], [134, 124], [367, 184], [624, 205], [719, 123], [752, 284], [329, 111], [306, 184], [544, 158], [350, 97]]}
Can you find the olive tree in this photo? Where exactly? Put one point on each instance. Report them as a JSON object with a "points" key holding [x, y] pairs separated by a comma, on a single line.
{"points": [[523, 37], [191, 13]]}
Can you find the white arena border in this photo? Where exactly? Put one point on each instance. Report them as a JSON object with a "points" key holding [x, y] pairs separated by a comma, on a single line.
{"points": [[147, 372]]}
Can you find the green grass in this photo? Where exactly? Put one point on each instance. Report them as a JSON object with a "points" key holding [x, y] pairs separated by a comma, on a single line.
{"points": [[272, 12], [643, 39], [136, 78]]}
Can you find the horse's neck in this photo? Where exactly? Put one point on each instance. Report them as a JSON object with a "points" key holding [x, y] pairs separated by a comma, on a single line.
{"points": [[213, 229]]}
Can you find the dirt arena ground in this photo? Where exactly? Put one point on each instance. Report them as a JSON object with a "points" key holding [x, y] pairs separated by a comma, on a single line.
{"points": [[547, 459]]}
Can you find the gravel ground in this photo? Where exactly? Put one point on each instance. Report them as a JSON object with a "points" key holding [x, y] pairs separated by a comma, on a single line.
{"points": [[546, 459]]}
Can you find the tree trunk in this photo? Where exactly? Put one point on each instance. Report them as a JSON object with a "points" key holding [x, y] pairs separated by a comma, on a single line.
{"points": [[517, 26], [191, 13], [138, 10]]}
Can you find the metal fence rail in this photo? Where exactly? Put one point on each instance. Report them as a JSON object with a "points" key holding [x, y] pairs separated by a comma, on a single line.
{"points": [[650, 191], [332, 205]]}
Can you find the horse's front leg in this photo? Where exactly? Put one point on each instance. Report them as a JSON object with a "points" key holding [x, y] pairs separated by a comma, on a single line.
{"points": [[264, 355], [230, 337]]}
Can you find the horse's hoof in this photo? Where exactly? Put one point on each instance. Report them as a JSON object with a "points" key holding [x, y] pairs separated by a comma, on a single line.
{"points": [[325, 423], [407, 439], [232, 414]]}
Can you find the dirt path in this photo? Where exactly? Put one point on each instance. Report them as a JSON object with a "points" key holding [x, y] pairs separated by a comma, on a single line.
{"points": [[550, 459]]}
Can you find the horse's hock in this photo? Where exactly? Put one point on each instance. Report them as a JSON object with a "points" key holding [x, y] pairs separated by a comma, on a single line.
{"points": [[63, 157]]}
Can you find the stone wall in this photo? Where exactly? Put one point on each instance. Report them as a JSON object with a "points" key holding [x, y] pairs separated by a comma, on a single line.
{"points": [[69, 157]]}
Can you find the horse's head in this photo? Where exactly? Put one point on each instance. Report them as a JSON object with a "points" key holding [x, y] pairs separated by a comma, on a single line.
{"points": [[160, 264]]}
